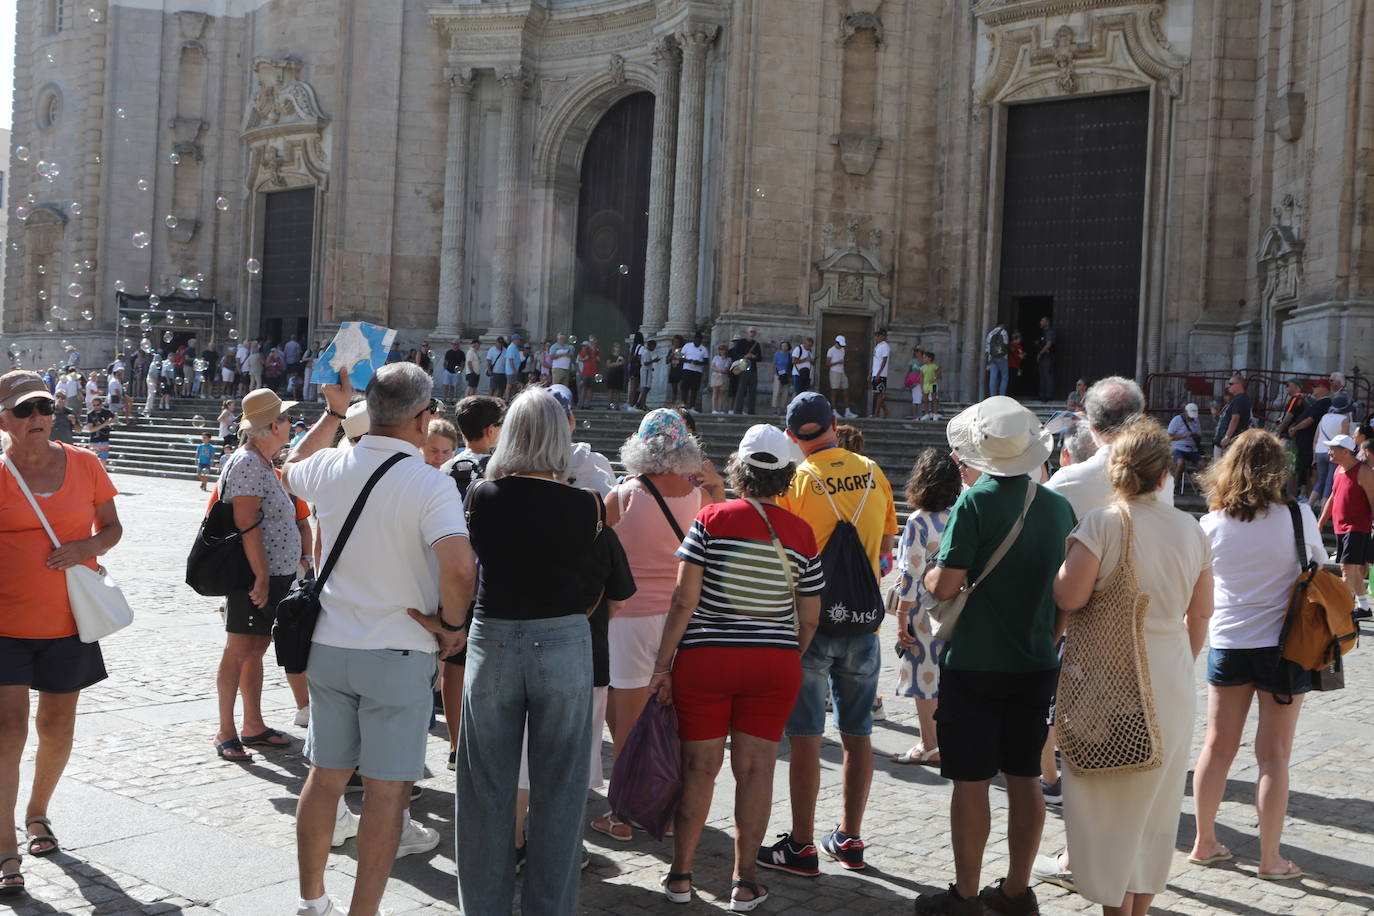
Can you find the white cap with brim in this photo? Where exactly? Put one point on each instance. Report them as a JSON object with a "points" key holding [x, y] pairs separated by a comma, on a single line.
{"points": [[767, 447], [839, 339], [1345, 442], [1190, 410], [1000, 437], [356, 420]]}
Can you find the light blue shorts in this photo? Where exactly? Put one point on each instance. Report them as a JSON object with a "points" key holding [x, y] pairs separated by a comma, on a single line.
{"points": [[370, 709], [848, 665]]}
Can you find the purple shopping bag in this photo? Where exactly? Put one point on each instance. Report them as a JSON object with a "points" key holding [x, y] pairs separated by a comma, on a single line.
{"points": [[647, 779]]}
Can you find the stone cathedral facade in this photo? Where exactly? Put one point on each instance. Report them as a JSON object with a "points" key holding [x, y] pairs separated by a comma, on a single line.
{"points": [[1178, 184]]}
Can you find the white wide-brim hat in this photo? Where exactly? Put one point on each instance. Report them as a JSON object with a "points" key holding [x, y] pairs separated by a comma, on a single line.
{"points": [[1000, 437]]}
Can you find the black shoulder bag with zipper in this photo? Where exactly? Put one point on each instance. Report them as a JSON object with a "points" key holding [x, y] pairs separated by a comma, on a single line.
{"points": [[217, 564], [298, 611]]}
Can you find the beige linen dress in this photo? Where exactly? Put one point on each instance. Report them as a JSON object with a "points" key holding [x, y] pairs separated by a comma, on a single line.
{"points": [[1122, 827]]}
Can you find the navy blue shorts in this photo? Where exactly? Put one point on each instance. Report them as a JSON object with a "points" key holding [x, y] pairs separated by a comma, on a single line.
{"points": [[1264, 669], [61, 665]]}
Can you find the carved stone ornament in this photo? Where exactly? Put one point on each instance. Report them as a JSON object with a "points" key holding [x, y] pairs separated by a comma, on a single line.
{"points": [[284, 129], [616, 70], [859, 15], [1063, 53], [1281, 255], [857, 151], [186, 136], [851, 274]]}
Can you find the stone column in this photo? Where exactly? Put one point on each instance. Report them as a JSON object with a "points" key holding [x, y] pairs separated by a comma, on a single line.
{"points": [[513, 81], [452, 252], [694, 41], [657, 260]]}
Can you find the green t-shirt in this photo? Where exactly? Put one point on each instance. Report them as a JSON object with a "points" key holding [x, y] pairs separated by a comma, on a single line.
{"points": [[1008, 622]]}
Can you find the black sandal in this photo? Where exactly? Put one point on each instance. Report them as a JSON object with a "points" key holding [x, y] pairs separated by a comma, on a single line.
{"points": [[744, 906], [16, 877], [676, 896], [46, 837]]}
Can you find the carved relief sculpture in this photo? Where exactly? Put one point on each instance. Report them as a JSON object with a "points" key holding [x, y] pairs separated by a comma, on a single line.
{"points": [[284, 128], [851, 275]]}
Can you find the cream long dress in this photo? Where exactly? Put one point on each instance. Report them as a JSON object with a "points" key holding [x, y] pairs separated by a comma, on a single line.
{"points": [[1122, 827]]}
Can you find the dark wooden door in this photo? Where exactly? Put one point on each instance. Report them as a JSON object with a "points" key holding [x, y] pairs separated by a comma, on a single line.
{"points": [[858, 353], [1072, 216], [287, 243], [613, 222]]}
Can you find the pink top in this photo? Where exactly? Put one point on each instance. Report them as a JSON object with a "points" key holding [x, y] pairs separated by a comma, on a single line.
{"points": [[651, 545]]}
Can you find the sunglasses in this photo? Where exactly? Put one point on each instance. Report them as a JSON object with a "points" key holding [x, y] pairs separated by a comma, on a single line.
{"points": [[434, 406], [25, 410]]}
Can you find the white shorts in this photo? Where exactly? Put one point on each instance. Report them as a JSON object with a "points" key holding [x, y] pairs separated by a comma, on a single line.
{"points": [[634, 643], [917, 395], [596, 777], [838, 380], [226, 375]]}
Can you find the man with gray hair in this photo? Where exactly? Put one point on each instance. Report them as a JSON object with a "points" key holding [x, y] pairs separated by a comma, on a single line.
{"points": [[1111, 404], [1078, 445], [397, 597]]}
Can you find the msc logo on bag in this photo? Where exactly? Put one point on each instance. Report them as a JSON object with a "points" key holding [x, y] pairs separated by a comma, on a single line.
{"points": [[839, 615]]}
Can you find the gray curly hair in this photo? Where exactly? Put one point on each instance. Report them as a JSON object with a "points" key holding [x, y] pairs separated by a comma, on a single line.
{"points": [[661, 455]]}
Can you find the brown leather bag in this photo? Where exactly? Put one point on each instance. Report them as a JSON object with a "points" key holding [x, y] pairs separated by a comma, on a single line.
{"points": [[1319, 628]]}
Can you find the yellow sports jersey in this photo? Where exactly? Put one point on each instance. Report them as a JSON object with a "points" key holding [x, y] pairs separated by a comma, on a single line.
{"points": [[846, 477]]}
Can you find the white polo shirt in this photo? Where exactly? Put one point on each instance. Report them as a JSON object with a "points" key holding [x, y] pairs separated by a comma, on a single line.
{"points": [[1087, 487], [388, 564]]}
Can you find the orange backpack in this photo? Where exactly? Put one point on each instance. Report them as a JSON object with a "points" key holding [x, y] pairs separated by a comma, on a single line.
{"points": [[1319, 628]]}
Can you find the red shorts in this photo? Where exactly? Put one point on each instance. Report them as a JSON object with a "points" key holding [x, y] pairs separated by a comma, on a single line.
{"points": [[717, 691]]}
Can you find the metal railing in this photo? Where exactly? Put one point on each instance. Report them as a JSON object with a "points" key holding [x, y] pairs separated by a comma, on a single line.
{"points": [[1167, 392]]}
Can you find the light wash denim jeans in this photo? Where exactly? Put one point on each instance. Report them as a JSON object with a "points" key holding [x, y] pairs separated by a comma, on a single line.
{"points": [[540, 670], [997, 376], [1324, 481]]}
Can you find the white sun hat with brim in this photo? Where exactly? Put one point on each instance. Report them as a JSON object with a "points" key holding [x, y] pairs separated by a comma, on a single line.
{"points": [[1000, 437], [356, 422]]}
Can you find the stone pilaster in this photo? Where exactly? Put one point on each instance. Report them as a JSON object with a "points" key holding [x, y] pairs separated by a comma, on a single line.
{"points": [[452, 252], [657, 260], [513, 81], [695, 41]]}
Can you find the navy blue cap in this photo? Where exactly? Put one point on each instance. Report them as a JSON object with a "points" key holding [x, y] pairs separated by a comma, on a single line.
{"points": [[809, 408]]}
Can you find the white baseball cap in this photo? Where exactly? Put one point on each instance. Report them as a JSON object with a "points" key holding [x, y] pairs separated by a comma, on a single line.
{"points": [[356, 421], [1345, 442], [839, 339], [767, 447], [1190, 410]]}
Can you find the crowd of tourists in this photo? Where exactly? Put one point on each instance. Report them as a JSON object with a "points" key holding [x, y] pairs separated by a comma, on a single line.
{"points": [[750, 601]]}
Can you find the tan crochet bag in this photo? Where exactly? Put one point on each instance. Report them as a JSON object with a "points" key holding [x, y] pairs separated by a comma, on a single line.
{"points": [[1105, 717]]}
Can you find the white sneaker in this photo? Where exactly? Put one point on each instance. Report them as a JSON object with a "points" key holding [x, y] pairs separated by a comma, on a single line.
{"points": [[302, 719], [416, 837], [331, 907], [345, 827]]}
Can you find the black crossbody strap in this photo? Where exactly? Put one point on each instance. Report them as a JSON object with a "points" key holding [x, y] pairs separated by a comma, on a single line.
{"points": [[662, 504], [1298, 539], [352, 519]]}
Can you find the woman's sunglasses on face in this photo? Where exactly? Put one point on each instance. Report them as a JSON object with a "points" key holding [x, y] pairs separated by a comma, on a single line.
{"points": [[25, 410]]}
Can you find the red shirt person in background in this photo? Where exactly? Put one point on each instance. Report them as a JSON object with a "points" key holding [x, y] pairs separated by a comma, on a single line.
{"points": [[1351, 509]]}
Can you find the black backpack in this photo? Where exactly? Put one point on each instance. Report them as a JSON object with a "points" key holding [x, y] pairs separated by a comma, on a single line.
{"points": [[997, 346], [466, 471], [851, 604]]}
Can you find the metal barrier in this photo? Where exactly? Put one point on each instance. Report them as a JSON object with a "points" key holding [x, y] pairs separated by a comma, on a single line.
{"points": [[1167, 392]]}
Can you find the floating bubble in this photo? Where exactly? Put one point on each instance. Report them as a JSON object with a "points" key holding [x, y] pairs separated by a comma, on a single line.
{"points": [[166, 336], [120, 113], [88, 315], [21, 211], [170, 316], [153, 300], [145, 345], [60, 313], [221, 203], [74, 290], [95, 14], [228, 315], [140, 239], [586, 424], [128, 343], [50, 58], [200, 278], [14, 246], [141, 184], [49, 326], [43, 295], [74, 207], [624, 270], [145, 325], [78, 267], [88, 264], [198, 419], [123, 321], [170, 221], [119, 286], [232, 334], [599, 379], [185, 282], [174, 158], [201, 365], [66, 344], [253, 266], [42, 269], [21, 153]]}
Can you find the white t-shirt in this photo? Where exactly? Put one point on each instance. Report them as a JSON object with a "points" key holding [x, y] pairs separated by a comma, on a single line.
{"points": [[1328, 428], [1086, 487], [696, 352], [834, 359], [801, 358], [881, 359], [1254, 566], [92, 388], [560, 356], [115, 389], [472, 362], [494, 357], [388, 564]]}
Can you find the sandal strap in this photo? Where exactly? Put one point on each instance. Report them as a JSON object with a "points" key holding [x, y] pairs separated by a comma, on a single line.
{"points": [[749, 886], [678, 876], [39, 819], [11, 857]]}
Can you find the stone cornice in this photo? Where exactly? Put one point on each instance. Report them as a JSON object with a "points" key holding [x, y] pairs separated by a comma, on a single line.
{"points": [[489, 19], [999, 12]]}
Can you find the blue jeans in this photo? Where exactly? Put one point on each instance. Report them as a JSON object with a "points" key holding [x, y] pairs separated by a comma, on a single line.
{"points": [[747, 392], [849, 666], [540, 670], [1325, 479], [997, 376]]}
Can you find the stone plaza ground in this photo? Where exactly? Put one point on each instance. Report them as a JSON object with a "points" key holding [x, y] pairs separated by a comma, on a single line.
{"points": [[152, 822]]}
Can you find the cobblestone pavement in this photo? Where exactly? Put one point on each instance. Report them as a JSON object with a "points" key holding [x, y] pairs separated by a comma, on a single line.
{"points": [[153, 822]]}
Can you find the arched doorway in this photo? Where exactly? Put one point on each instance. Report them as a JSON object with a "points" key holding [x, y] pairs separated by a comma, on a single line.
{"points": [[613, 222]]}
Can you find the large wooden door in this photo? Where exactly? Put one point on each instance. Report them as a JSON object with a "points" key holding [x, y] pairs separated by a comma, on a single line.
{"points": [[287, 242], [1072, 215], [613, 222], [858, 338]]}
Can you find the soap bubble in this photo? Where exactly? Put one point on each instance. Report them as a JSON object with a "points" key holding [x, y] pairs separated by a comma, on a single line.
{"points": [[74, 290], [119, 286], [88, 264], [201, 365], [120, 113], [232, 334], [153, 300], [95, 14], [42, 295], [21, 211], [624, 270], [88, 315], [66, 344], [166, 336], [254, 266], [221, 203], [170, 221], [78, 267], [174, 158], [75, 208], [145, 325], [123, 321], [170, 316], [42, 269], [200, 278], [60, 313], [198, 420], [128, 344], [49, 326], [21, 153], [586, 424], [145, 345], [140, 239], [141, 184]]}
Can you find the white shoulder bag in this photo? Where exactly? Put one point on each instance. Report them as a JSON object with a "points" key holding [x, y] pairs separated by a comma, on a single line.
{"points": [[98, 605]]}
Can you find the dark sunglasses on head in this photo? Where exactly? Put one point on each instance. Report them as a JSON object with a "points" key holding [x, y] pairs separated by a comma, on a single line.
{"points": [[25, 410]]}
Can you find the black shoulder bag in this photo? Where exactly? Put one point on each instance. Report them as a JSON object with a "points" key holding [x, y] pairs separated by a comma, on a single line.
{"points": [[298, 611], [217, 564]]}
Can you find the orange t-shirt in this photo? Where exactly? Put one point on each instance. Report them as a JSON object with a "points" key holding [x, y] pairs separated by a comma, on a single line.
{"points": [[33, 598]]}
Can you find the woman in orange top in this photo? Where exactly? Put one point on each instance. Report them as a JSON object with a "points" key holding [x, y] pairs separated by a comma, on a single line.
{"points": [[39, 648]]}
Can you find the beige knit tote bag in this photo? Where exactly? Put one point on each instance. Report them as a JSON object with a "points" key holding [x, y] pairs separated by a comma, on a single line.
{"points": [[1105, 717]]}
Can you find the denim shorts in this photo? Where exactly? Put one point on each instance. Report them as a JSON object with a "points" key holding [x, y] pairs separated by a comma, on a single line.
{"points": [[849, 666], [1264, 669], [370, 709]]}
